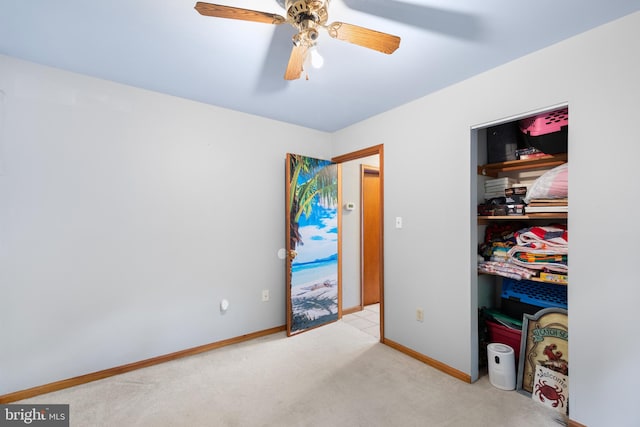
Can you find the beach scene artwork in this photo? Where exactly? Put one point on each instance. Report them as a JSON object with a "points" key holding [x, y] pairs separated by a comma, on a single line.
{"points": [[313, 242]]}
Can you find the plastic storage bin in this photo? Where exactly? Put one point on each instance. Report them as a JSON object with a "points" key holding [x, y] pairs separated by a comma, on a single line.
{"points": [[526, 296], [548, 132], [504, 335], [502, 142], [502, 366]]}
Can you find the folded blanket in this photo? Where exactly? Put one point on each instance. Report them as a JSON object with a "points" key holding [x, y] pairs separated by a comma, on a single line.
{"points": [[552, 259], [550, 236], [505, 269]]}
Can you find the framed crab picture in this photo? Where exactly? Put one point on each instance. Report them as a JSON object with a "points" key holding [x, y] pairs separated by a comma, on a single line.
{"points": [[551, 388], [543, 368]]}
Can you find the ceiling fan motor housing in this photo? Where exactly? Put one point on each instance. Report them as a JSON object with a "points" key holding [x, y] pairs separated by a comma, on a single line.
{"points": [[300, 12]]}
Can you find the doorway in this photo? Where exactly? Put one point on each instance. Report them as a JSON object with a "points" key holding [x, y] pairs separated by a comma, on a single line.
{"points": [[375, 267]]}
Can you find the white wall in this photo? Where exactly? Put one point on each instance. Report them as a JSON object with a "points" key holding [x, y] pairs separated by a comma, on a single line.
{"points": [[125, 217], [427, 181], [351, 230]]}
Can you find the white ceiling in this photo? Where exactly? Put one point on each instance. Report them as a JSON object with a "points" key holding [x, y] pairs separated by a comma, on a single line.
{"points": [[166, 46]]}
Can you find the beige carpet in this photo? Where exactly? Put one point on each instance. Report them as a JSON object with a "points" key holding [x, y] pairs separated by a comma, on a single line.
{"points": [[332, 376]]}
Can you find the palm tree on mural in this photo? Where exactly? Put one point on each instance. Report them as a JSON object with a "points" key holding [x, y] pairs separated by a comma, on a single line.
{"points": [[318, 182]]}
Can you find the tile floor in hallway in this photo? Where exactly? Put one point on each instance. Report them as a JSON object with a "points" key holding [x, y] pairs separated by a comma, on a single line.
{"points": [[367, 320]]}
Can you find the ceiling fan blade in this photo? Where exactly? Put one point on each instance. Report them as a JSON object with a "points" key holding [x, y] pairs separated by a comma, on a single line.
{"points": [[382, 42], [296, 61], [220, 11]]}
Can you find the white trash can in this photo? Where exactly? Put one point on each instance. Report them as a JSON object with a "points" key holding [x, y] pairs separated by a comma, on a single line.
{"points": [[502, 366]]}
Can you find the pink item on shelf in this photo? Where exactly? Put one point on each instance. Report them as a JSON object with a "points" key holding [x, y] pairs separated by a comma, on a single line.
{"points": [[542, 124]]}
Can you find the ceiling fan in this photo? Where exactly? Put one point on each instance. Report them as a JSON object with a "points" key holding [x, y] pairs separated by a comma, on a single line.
{"points": [[307, 16]]}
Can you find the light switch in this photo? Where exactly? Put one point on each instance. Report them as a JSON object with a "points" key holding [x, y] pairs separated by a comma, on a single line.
{"points": [[398, 222]]}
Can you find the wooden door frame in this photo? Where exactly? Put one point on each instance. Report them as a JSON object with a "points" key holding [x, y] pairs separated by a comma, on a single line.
{"points": [[359, 154]]}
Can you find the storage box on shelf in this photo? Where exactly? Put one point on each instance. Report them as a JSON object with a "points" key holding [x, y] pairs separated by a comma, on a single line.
{"points": [[504, 335], [547, 132], [526, 296], [503, 141]]}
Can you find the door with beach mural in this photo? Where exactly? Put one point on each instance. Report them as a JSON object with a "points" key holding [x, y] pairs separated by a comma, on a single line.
{"points": [[312, 242]]}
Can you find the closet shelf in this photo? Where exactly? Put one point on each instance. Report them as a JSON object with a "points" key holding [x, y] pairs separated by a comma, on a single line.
{"points": [[532, 279], [493, 169], [532, 216]]}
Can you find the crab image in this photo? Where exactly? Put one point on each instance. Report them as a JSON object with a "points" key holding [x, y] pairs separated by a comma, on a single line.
{"points": [[544, 390]]}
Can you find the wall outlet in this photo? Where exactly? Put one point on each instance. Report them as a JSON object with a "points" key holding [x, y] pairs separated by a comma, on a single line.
{"points": [[420, 315], [265, 295]]}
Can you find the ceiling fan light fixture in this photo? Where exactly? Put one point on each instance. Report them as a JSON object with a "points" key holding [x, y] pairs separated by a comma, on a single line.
{"points": [[317, 61]]}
